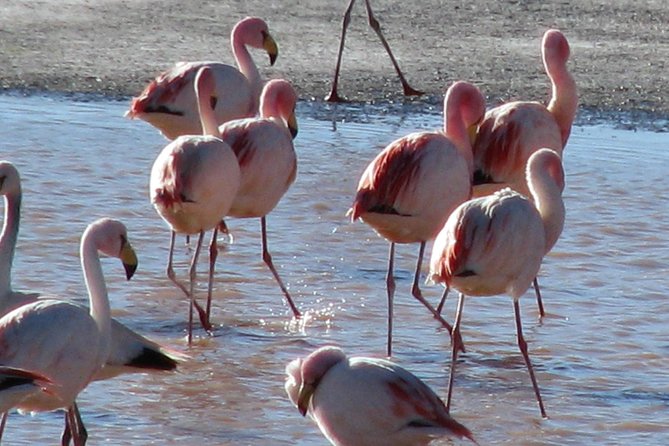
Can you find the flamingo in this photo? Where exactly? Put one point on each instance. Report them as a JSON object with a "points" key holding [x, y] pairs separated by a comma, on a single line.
{"points": [[193, 182], [55, 338], [130, 351], [510, 133], [494, 244], [360, 401], [333, 96], [266, 156], [169, 103], [408, 191]]}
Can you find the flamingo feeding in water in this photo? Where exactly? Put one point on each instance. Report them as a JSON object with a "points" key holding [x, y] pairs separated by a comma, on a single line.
{"points": [[130, 351], [333, 96], [408, 191], [169, 103], [361, 401], [495, 244], [267, 160], [193, 183], [56, 339], [510, 133]]}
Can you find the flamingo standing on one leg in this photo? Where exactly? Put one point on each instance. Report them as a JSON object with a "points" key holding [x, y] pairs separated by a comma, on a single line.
{"points": [[193, 183], [169, 103], [267, 160], [361, 401], [55, 338], [510, 133], [333, 96], [495, 244], [408, 191]]}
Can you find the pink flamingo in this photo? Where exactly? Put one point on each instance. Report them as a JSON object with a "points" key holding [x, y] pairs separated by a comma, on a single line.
{"points": [[193, 183], [408, 191], [362, 401], [494, 244], [510, 133], [169, 103], [55, 338], [130, 351], [333, 96], [267, 160]]}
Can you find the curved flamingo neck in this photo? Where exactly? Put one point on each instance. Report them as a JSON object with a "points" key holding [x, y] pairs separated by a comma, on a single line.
{"points": [[546, 190], [564, 100], [245, 63], [97, 290], [8, 239], [207, 117], [462, 102]]}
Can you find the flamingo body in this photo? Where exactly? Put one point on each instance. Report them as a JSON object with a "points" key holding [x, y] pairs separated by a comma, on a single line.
{"points": [[510, 133], [362, 401], [169, 102]]}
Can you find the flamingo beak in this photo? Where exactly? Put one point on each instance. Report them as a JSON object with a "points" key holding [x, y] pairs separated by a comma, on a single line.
{"points": [[304, 398], [292, 124], [270, 46], [129, 258]]}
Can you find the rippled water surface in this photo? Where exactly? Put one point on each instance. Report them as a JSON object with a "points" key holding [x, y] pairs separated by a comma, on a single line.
{"points": [[601, 354]]}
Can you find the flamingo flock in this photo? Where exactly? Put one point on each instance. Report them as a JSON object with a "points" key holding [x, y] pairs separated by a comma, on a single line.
{"points": [[485, 190]]}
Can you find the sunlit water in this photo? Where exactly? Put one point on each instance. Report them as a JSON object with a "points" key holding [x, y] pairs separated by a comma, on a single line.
{"points": [[600, 354]]}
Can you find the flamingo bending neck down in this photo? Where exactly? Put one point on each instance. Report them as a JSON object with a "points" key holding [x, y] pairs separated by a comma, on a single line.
{"points": [[510, 133], [360, 401], [408, 191], [333, 96], [73, 345], [267, 159], [495, 244], [169, 103], [193, 183]]}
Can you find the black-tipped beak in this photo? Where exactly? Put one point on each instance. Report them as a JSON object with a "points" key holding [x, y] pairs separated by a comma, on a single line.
{"points": [[271, 47]]}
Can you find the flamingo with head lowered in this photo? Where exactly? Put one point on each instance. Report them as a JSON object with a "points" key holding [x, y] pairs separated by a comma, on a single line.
{"points": [[495, 244], [169, 103], [408, 191]]}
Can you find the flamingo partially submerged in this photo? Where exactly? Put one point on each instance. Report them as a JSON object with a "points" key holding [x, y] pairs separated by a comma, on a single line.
{"points": [[495, 244], [408, 191], [169, 103]]}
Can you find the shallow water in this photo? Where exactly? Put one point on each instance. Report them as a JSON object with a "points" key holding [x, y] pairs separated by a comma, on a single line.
{"points": [[600, 354]]}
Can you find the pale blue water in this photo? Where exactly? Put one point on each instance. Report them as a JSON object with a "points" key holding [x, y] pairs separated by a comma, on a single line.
{"points": [[601, 355]]}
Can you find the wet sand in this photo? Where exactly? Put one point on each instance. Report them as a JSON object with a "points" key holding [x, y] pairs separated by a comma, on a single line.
{"points": [[113, 47]]}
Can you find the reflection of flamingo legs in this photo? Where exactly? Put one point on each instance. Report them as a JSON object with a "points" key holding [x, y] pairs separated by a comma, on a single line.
{"points": [[333, 96]]}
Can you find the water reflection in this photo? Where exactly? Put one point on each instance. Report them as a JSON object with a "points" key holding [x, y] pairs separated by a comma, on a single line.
{"points": [[600, 355]]}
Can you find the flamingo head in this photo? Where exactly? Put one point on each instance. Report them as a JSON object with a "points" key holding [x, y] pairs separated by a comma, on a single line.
{"points": [[253, 31]]}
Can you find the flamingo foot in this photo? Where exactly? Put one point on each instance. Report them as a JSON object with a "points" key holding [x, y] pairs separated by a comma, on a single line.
{"points": [[410, 91], [334, 97], [204, 318]]}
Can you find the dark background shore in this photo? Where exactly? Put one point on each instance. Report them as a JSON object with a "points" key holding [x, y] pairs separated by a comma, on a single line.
{"points": [[619, 48]]}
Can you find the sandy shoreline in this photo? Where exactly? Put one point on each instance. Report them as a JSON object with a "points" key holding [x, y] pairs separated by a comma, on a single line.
{"points": [[113, 47]]}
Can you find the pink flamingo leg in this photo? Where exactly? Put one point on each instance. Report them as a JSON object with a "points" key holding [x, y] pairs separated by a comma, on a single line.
{"points": [[415, 290], [333, 96], [523, 349], [540, 303], [213, 255], [390, 289], [3, 422], [267, 258], [442, 301], [454, 354], [408, 90], [74, 427]]}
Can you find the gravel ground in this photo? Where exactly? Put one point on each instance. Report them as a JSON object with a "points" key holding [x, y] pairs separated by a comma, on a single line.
{"points": [[620, 48]]}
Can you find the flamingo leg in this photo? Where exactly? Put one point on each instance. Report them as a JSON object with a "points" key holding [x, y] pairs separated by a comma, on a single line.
{"points": [[390, 289], [67, 431], [408, 90], [213, 254], [333, 96], [523, 349], [540, 303], [170, 266], [3, 422], [415, 290], [267, 258], [442, 301], [454, 353], [191, 292], [74, 427]]}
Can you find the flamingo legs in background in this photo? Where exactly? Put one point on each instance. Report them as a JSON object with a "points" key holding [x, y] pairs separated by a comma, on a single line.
{"points": [[333, 96]]}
